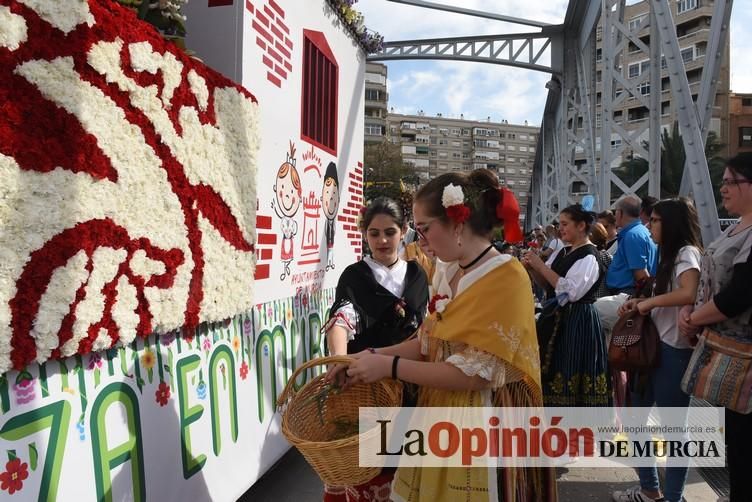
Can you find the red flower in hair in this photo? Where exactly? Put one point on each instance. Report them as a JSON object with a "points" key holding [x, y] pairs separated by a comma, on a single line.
{"points": [[459, 213]]}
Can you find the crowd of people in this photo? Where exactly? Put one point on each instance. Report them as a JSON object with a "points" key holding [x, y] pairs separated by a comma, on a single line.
{"points": [[559, 291]]}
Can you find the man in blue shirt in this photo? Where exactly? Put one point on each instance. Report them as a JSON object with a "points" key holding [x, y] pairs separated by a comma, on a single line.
{"points": [[637, 255]]}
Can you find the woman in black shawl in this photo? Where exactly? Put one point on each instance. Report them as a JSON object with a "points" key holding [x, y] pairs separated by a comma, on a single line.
{"points": [[380, 301]]}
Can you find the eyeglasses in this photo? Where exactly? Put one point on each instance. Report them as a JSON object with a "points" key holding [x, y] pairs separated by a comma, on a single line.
{"points": [[733, 182], [653, 219], [421, 230]]}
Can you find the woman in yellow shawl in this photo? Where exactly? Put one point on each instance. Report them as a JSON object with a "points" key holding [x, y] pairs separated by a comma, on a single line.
{"points": [[478, 346]]}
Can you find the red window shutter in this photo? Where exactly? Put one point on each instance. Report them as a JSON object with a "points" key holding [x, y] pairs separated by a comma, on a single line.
{"points": [[320, 92]]}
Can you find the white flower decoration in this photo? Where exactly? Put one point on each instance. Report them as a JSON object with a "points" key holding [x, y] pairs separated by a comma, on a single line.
{"points": [[441, 305], [452, 195]]}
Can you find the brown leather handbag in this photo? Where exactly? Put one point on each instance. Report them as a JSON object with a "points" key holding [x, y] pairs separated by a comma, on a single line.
{"points": [[635, 343]]}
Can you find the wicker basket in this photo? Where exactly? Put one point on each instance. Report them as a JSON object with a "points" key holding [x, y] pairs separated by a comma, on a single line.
{"points": [[321, 422]]}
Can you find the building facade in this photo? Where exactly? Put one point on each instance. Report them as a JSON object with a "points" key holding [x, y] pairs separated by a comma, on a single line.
{"points": [[435, 145], [692, 19], [376, 99], [739, 124]]}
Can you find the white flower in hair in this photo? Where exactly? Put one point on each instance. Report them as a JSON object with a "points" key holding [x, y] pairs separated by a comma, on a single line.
{"points": [[452, 195]]}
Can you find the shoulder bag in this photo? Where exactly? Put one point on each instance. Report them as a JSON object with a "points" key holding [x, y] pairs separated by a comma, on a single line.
{"points": [[720, 372], [635, 343]]}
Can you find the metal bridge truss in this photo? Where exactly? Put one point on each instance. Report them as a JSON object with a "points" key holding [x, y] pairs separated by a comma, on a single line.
{"points": [[576, 144], [525, 50]]}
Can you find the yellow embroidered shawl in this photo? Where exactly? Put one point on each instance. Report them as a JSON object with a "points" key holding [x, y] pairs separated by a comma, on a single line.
{"points": [[413, 252], [496, 314]]}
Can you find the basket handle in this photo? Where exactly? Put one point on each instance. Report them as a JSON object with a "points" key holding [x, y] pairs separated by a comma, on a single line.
{"points": [[305, 366]]}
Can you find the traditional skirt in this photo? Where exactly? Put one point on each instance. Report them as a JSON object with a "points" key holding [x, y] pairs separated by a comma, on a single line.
{"points": [[576, 372]]}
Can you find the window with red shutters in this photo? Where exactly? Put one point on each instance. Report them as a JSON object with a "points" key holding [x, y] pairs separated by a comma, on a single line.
{"points": [[320, 92]]}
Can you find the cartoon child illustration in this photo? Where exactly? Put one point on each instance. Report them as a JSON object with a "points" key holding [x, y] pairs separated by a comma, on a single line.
{"points": [[330, 203], [288, 193]]}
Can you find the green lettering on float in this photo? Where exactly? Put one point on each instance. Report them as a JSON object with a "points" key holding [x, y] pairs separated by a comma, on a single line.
{"points": [[314, 340], [56, 417], [107, 458], [188, 415], [269, 339], [222, 353], [297, 344]]}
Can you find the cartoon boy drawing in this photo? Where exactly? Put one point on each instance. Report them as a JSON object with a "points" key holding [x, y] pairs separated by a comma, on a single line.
{"points": [[288, 194], [330, 203]]}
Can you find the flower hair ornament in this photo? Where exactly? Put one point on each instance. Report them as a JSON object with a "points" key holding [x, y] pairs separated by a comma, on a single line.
{"points": [[508, 211], [453, 200]]}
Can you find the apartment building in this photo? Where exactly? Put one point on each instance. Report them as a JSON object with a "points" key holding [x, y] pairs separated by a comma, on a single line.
{"points": [[375, 103], [434, 145], [740, 124], [692, 19]]}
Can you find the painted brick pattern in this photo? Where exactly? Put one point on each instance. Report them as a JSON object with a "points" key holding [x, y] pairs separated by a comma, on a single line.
{"points": [[272, 37], [265, 245], [348, 213]]}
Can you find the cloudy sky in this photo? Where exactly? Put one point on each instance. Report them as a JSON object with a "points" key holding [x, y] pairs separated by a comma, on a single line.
{"points": [[481, 90]]}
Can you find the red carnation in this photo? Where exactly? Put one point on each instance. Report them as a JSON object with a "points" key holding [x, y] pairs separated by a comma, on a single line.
{"points": [[163, 393], [244, 370], [13, 477], [432, 303], [459, 213]]}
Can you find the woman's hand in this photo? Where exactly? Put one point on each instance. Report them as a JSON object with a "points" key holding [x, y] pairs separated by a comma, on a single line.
{"points": [[336, 372], [645, 306], [532, 260], [627, 306], [369, 368], [686, 328]]}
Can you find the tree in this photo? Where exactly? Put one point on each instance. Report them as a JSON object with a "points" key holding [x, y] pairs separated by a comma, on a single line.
{"points": [[386, 172], [672, 164]]}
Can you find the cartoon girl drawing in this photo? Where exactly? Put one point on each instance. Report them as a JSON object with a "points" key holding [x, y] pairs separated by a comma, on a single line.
{"points": [[330, 203], [288, 194]]}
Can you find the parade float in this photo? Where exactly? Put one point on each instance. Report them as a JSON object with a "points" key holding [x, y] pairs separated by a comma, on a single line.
{"points": [[179, 189]]}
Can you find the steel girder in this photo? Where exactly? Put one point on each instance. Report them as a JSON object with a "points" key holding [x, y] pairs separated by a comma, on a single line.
{"points": [[714, 55], [523, 50], [471, 12], [616, 140], [689, 122]]}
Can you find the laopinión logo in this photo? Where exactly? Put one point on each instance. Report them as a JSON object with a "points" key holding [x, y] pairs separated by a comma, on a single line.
{"points": [[462, 437]]}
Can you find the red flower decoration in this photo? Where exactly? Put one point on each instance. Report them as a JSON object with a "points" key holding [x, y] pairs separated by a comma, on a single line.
{"points": [[163, 393], [459, 213], [27, 113], [508, 211], [432, 303], [399, 307], [14, 475], [244, 370]]}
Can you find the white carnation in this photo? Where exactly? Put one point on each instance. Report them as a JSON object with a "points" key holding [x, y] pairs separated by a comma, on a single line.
{"points": [[441, 305], [452, 195], [13, 31]]}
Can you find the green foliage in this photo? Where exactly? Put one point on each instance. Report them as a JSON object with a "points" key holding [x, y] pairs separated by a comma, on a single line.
{"points": [[673, 158], [387, 175]]}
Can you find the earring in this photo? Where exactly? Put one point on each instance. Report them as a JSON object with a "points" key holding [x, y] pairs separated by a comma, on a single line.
{"points": [[459, 241]]}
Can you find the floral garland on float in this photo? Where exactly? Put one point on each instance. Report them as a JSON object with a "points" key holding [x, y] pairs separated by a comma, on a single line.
{"points": [[165, 15], [128, 198], [354, 21]]}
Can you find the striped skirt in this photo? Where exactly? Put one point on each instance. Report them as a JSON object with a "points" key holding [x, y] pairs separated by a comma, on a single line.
{"points": [[576, 369]]}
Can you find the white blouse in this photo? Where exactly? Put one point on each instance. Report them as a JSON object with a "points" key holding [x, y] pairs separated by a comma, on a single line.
{"points": [[392, 279], [580, 278]]}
